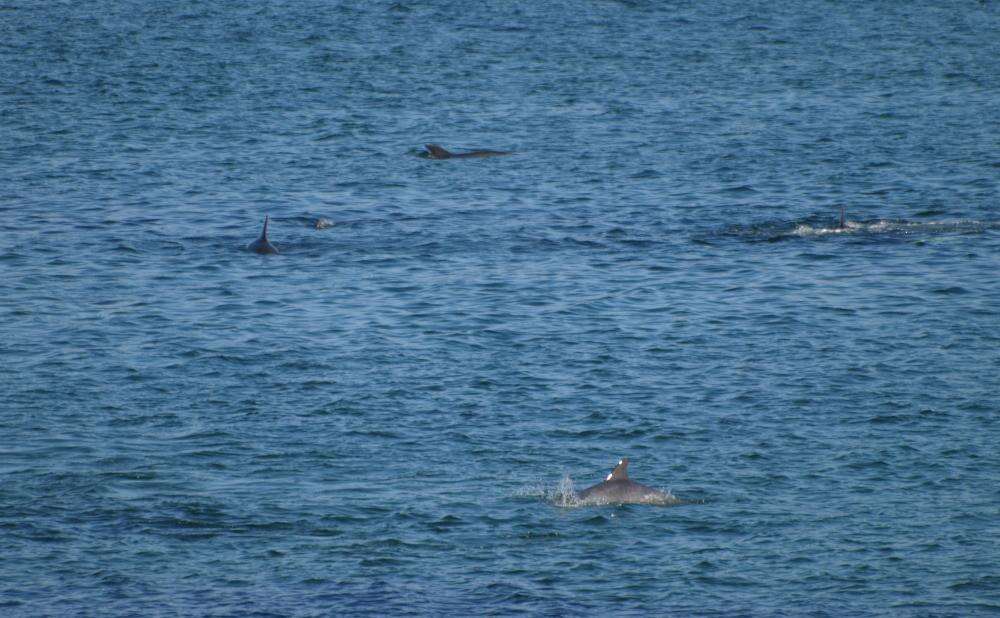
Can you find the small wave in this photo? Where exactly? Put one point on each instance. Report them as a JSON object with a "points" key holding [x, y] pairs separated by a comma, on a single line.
{"points": [[738, 190], [986, 583]]}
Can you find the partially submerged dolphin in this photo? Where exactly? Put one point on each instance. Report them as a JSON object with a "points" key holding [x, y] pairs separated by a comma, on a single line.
{"points": [[437, 152], [618, 489], [262, 245]]}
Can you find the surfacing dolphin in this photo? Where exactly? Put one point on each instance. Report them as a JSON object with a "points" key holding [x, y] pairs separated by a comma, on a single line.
{"points": [[618, 489], [262, 245], [437, 152]]}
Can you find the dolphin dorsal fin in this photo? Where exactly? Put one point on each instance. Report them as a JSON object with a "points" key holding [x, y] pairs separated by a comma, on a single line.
{"points": [[620, 473], [437, 151], [263, 234], [843, 217]]}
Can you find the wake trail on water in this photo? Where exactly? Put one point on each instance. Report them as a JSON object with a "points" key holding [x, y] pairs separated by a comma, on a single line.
{"points": [[816, 228], [887, 226]]}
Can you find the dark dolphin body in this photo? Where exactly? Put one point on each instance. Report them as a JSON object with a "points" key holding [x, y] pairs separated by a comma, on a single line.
{"points": [[618, 489], [436, 152], [262, 245]]}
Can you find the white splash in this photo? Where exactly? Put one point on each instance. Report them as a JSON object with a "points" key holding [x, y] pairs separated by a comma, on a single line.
{"points": [[808, 230], [885, 226], [564, 493]]}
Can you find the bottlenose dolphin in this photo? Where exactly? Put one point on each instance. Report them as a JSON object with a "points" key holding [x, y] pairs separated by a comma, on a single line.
{"points": [[436, 152], [618, 489], [262, 245]]}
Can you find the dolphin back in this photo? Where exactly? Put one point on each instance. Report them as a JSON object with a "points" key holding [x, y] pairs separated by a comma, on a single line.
{"points": [[482, 153], [624, 492], [617, 488], [434, 151]]}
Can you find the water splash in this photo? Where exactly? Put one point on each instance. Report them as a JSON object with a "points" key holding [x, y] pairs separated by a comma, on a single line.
{"points": [[564, 494], [804, 229]]}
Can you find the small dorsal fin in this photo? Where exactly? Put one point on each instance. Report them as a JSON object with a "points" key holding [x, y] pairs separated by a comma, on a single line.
{"points": [[843, 217], [437, 152], [620, 473], [262, 245]]}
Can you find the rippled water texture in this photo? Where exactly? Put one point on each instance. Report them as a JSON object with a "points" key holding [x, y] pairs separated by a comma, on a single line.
{"points": [[385, 417]]}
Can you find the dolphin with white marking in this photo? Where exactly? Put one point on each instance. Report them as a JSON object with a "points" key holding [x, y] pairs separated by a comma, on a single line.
{"points": [[617, 488], [262, 245]]}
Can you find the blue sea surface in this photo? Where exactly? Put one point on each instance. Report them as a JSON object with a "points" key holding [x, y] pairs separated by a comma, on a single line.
{"points": [[385, 418]]}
